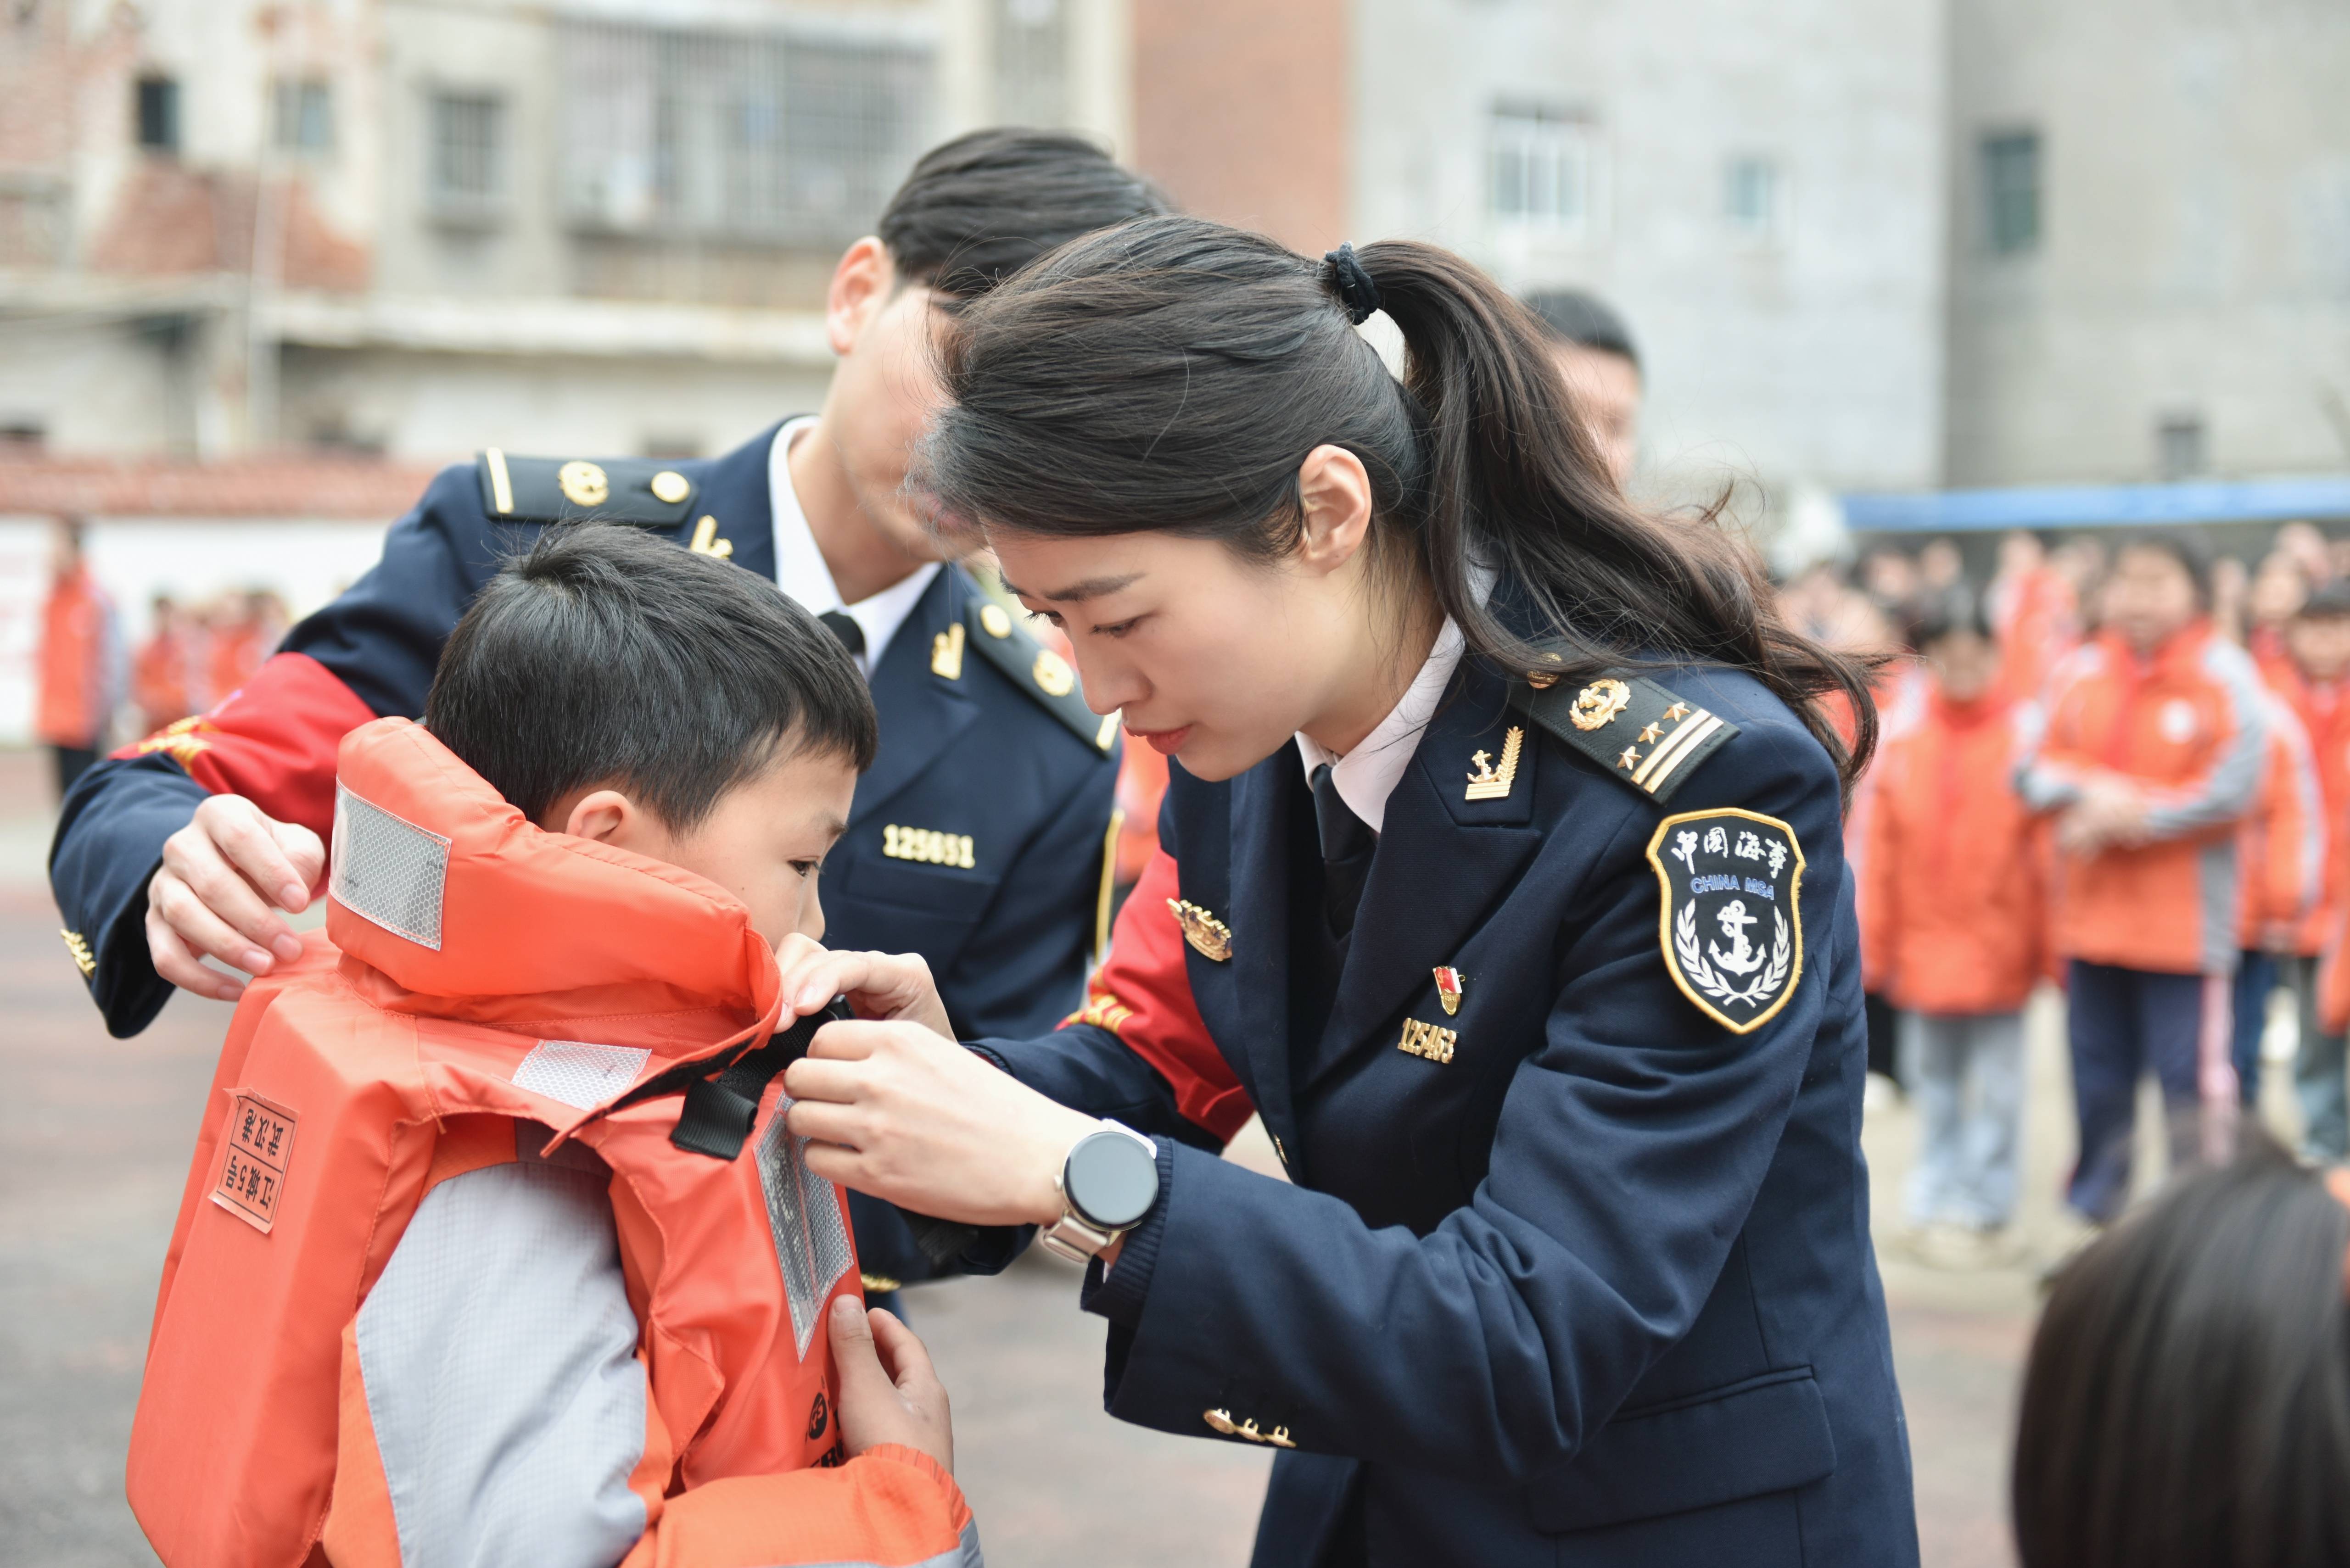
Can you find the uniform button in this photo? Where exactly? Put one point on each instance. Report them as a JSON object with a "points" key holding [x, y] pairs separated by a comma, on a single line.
{"points": [[1220, 1420]]}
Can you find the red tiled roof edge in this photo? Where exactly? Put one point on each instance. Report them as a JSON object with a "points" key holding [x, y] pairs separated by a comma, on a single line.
{"points": [[260, 487]]}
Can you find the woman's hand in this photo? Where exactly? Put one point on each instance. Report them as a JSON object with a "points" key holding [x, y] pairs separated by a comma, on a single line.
{"points": [[909, 1117], [889, 1393], [880, 986]]}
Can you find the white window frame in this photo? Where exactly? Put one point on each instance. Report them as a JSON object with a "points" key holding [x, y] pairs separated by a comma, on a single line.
{"points": [[1543, 169]]}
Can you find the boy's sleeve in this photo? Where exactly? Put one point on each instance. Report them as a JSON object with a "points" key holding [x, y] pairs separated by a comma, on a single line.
{"points": [[495, 1410], [2223, 789]]}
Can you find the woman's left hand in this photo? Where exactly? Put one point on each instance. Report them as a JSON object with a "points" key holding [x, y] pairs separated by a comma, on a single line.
{"points": [[904, 1116]]}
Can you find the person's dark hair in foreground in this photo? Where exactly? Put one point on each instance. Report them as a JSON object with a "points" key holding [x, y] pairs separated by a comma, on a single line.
{"points": [[2186, 1403], [1212, 360], [604, 656]]}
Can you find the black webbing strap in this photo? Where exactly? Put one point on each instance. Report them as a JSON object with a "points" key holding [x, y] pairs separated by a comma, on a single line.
{"points": [[721, 1096], [722, 1101]]}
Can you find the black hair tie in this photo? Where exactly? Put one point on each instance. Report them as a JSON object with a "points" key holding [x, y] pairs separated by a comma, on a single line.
{"points": [[1355, 290]]}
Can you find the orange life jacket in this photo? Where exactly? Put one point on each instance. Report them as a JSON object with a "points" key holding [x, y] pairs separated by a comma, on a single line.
{"points": [[485, 992]]}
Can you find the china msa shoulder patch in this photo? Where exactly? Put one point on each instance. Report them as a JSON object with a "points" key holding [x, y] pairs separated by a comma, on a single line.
{"points": [[1034, 668], [1731, 924], [644, 491], [1640, 733]]}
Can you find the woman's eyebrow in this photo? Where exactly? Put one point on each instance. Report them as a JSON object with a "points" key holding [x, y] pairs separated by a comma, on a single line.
{"points": [[1078, 593]]}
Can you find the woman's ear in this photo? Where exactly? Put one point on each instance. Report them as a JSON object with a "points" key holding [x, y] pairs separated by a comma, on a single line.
{"points": [[1333, 491]]}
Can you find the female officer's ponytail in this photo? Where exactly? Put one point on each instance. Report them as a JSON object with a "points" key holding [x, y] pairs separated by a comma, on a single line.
{"points": [[1171, 374]]}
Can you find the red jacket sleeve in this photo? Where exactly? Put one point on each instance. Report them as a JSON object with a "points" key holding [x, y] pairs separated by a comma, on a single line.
{"points": [[1142, 995], [271, 741]]}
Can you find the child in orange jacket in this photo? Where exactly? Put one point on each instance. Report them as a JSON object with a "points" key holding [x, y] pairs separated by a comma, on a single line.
{"points": [[496, 1247], [2155, 744], [1956, 922], [2312, 678]]}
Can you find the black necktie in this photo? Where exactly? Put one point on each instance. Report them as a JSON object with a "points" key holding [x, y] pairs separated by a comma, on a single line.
{"points": [[844, 626], [1347, 844]]}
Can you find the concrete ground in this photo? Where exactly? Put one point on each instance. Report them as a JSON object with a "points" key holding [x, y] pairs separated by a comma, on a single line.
{"points": [[94, 1136]]}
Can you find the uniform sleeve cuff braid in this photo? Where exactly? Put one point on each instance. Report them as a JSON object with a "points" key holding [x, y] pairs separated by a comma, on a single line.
{"points": [[1118, 1293]]}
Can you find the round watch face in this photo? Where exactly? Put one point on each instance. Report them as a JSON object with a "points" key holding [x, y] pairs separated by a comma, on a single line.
{"points": [[1111, 1179]]}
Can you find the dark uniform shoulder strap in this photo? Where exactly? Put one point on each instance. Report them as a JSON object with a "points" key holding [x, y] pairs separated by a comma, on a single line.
{"points": [[1636, 730], [644, 491], [1034, 668]]}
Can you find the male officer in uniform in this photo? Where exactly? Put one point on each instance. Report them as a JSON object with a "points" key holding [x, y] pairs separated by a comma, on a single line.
{"points": [[978, 837]]}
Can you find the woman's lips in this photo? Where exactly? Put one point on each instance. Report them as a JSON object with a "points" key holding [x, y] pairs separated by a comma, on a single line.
{"points": [[1166, 743]]}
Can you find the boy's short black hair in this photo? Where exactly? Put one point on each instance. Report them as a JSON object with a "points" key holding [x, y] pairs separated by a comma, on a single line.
{"points": [[606, 656], [978, 209], [1955, 609], [2185, 545], [2329, 601], [1585, 320]]}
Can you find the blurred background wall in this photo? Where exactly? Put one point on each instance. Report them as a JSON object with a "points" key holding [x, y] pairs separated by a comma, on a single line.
{"points": [[264, 265]]}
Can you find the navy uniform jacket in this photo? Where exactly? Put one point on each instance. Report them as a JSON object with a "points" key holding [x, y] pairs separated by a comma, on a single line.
{"points": [[977, 838], [1577, 1275]]}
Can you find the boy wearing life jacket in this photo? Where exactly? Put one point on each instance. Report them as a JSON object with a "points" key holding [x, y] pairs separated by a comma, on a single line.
{"points": [[1956, 919], [495, 1248]]}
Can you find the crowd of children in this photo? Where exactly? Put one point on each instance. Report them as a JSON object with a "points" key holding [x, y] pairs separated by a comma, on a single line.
{"points": [[196, 654], [2122, 766]]}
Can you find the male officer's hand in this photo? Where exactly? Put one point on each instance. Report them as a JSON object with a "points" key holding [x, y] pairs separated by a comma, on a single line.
{"points": [[222, 875], [889, 1393]]}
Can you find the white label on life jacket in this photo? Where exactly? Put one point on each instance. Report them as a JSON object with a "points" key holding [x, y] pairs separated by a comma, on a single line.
{"points": [[581, 1076]]}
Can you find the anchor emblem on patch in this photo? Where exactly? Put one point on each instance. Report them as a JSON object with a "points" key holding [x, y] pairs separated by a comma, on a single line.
{"points": [[1731, 927]]}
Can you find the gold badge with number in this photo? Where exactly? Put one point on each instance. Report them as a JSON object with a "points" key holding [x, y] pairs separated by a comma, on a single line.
{"points": [[1421, 1039], [929, 847], [1209, 937]]}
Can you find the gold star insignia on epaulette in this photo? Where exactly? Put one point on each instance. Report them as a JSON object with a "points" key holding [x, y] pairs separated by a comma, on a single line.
{"points": [[1678, 711], [1630, 756], [1649, 734]]}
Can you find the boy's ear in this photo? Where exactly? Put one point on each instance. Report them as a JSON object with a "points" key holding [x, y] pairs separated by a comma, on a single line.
{"points": [[605, 816]]}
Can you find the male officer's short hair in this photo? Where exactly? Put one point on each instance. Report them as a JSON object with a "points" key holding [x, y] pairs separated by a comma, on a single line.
{"points": [[605, 656], [979, 208], [1585, 320]]}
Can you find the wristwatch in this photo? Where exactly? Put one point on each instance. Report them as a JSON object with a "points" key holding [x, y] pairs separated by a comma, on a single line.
{"points": [[1107, 1185]]}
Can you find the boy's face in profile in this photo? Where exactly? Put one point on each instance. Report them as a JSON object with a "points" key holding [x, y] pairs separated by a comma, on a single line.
{"points": [[763, 842]]}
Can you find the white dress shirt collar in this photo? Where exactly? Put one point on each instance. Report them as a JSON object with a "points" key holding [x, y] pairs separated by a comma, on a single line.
{"points": [[1366, 775], [800, 570]]}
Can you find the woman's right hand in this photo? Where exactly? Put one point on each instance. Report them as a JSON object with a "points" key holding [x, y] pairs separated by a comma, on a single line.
{"points": [[880, 986]]}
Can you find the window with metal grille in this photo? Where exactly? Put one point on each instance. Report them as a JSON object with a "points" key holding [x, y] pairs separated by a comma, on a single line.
{"points": [[1542, 168], [780, 138], [465, 156], [1031, 65], [2010, 180]]}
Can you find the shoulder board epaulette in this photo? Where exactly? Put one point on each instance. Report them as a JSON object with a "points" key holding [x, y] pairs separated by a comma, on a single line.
{"points": [[1035, 669], [1636, 730], [644, 491]]}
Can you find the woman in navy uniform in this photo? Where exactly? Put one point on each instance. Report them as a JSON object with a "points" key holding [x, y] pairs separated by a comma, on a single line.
{"points": [[1501, 876]]}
